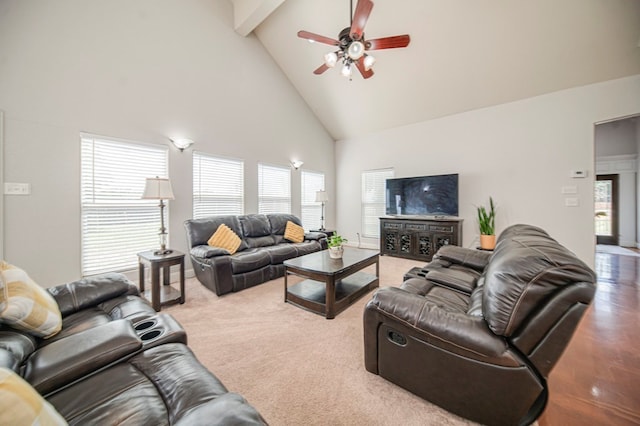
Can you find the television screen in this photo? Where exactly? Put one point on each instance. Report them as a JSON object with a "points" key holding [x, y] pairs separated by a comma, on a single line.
{"points": [[424, 195]]}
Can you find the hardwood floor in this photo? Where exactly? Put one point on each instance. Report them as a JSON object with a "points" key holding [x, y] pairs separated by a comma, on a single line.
{"points": [[597, 380]]}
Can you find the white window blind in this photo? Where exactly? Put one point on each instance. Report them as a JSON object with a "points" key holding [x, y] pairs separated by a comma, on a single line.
{"points": [[373, 200], [116, 222], [274, 189], [311, 211], [218, 186]]}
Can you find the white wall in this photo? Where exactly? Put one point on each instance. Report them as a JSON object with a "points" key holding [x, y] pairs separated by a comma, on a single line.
{"points": [[146, 71], [616, 138], [520, 153]]}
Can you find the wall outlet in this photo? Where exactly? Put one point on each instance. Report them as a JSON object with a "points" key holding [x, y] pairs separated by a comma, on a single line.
{"points": [[571, 202], [11, 188]]}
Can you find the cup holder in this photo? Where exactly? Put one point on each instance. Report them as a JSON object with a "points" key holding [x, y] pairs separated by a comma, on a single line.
{"points": [[150, 335], [145, 325]]}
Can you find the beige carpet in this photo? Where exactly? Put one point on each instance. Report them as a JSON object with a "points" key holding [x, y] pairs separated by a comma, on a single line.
{"points": [[294, 366]]}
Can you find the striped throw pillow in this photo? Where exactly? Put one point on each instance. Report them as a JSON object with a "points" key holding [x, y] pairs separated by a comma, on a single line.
{"points": [[20, 404], [26, 305], [293, 232], [225, 238]]}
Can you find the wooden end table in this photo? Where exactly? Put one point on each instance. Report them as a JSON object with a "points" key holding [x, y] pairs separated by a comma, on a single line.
{"points": [[160, 264]]}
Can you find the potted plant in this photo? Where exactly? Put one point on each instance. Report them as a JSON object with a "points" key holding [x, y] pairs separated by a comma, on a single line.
{"points": [[487, 223], [335, 246]]}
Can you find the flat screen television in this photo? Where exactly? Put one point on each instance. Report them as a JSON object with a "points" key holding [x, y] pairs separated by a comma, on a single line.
{"points": [[423, 195]]}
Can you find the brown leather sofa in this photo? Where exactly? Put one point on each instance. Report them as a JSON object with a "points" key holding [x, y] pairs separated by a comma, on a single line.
{"points": [[478, 333], [116, 361], [261, 254]]}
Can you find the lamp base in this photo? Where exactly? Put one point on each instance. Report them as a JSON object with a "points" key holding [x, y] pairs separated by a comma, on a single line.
{"points": [[162, 252]]}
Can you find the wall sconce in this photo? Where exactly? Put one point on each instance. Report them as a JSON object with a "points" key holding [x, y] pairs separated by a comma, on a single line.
{"points": [[296, 164], [182, 144]]}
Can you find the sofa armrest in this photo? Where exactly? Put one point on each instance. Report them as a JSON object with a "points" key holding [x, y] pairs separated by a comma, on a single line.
{"points": [[314, 236], [472, 258], [207, 252], [453, 331], [70, 358], [229, 408], [91, 291]]}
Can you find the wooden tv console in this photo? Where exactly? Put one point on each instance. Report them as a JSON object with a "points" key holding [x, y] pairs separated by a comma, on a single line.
{"points": [[418, 237]]}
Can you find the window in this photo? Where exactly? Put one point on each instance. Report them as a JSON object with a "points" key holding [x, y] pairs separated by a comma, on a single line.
{"points": [[311, 211], [218, 186], [373, 203], [274, 189], [116, 223]]}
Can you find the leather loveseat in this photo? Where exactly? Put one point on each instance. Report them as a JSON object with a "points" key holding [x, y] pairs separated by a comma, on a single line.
{"points": [[115, 361], [479, 333], [261, 254]]}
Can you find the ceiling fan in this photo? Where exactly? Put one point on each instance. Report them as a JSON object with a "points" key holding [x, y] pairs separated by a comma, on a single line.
{"points": [[352, 45]]}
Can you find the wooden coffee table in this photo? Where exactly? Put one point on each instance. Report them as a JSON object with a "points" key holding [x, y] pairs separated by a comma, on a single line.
{"points": [[332, 285]]}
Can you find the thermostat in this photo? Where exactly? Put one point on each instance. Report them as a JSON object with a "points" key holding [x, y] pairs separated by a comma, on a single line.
{"points": [[578, 173]]}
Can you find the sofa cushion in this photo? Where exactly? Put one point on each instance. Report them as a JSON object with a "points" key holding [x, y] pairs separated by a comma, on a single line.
{"points": [[463, 279], [28, 306], [249, 260], [200, 230], [255, 225], [225, 238], [264, 241], [20, 404], [476, 259], [307, 247], [294, 233], [17, 347], [279, 221], [281, 252], [163, 385]]}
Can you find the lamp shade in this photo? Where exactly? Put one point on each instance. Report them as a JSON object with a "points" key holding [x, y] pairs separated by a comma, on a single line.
{"points": [[321, 196], [157, 189]]}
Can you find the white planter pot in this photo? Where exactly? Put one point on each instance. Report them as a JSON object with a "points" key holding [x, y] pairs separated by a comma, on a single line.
{"points": [[336, 252]]}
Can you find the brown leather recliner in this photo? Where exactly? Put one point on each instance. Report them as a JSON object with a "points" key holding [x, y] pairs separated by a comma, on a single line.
{"points": [[480, 333]]}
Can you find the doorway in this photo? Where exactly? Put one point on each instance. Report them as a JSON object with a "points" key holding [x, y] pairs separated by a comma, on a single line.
{"points": [[606, 209]]}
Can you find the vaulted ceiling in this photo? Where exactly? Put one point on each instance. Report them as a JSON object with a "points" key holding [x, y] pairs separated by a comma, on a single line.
{"points": [[464, 54]]}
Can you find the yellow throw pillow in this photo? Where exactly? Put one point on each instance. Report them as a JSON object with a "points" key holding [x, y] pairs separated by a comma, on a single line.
{"points": [[225, 238], [27, 306], [20, 404], [293, 232]]}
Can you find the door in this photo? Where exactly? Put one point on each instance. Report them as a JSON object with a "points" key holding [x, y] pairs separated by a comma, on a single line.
{"points": [[606, 209]]}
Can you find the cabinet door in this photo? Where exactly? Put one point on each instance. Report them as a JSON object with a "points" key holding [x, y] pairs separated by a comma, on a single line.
{"points": [[424, 245], [390, 242], [441, 240]]}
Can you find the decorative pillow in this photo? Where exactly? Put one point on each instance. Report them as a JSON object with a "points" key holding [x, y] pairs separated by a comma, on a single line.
{"points": [[20, 404], [293, 232], [225, 238], [27, 306]]}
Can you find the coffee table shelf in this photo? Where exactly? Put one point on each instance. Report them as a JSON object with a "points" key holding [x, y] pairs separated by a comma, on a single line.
{"points": [[331, 285]]}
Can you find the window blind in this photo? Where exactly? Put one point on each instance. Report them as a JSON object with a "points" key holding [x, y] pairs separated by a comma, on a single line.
{"points": [[116, 222], [218, 186], [311, 211], [274, 189], [373, 200]]}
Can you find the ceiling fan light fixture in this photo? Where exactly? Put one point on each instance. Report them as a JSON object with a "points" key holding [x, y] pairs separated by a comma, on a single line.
{"points": [[355, 50], [346, 70], [368, 62], [331, 59]]}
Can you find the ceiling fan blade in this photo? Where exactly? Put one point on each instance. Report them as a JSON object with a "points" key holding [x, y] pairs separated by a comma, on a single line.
{"points": [[316, 37], [388, 42], [322, 68], [360, 17], [360, 65]]}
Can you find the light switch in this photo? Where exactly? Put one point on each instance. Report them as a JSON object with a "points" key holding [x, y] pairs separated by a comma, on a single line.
{"points": [[570, 189], [11, 188]]}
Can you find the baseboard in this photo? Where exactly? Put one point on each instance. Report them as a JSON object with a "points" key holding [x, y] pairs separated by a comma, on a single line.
{"points": [[363, 245], [133, 274]]}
